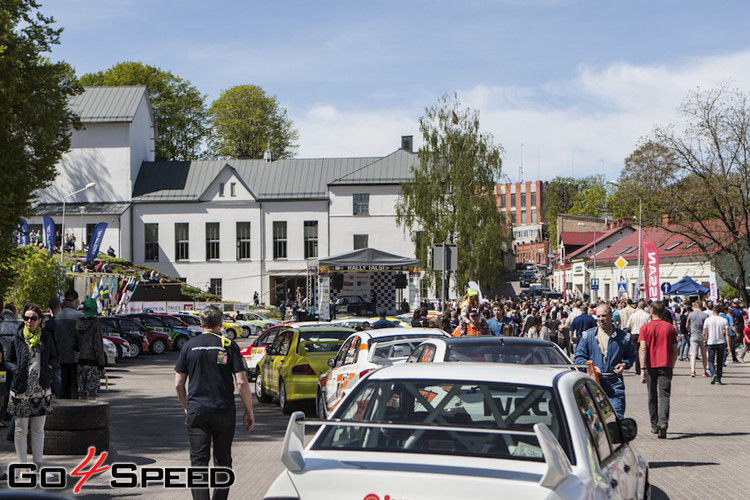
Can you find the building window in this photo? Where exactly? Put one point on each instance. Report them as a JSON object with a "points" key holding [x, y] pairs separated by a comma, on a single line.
{"points": [[243, 240], [533, 216], [502, 200], [361, 204], [221, 189], [523, 199], [360, 241], [279, 240], [233, 189], [523, 216], [212, 240], [215, 286], [181, 241], [513, 199], [311, 239], [151, 238], [533, 198]]}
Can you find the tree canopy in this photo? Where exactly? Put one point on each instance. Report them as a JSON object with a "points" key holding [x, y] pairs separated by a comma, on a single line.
{"points": [[700, 178], [35, 122], [179, 109], [452, 196], [40, 277], [246, 122], [566, 195]]}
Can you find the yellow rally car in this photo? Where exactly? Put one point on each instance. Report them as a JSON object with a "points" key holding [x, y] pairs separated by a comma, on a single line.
{"points": [[231, 329], [293, 363]]}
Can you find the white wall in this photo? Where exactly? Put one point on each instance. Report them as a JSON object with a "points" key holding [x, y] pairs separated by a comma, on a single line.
{"points": [[141, 139], [379, 224]]}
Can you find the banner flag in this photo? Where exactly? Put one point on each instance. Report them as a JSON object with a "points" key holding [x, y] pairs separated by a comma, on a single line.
{"points": [[713, 287], [23, 239], [48, 226], [651, 270], [96, 241]]}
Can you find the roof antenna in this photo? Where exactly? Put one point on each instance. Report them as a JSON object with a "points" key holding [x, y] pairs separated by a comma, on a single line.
{"points": [[268, 154]]}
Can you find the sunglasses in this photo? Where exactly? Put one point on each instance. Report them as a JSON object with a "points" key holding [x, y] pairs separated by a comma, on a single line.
{"points": [[30, 318]]}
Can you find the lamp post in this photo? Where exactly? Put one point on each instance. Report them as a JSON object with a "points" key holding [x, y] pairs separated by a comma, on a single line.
{"points": [[62, 231], [595, 293]]}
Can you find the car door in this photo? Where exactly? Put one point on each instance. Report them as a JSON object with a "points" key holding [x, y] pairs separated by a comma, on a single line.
{"points": [[622, 465], [275, 358], [332, 383], [109, 327], [260, 345], [154, 323], [606, 479], [348, 374]]}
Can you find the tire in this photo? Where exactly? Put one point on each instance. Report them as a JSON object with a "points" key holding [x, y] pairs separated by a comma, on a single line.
{"points": [[75, 442], [135, 349], [158, 346], [260, 392], [320, 406], [286, 406], [231, 334], [180, 342], [118, 347], [77, 414], [246, 332]]}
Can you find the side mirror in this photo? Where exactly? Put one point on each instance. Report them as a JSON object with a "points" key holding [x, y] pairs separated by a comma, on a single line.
{"points": [[270, 351], [331, 362], [623, 431]]}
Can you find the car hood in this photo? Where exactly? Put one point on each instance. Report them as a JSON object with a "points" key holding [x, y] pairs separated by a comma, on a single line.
{"points": [[408, 476]]}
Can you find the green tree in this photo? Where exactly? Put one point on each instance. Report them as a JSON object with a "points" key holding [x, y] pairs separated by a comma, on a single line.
{"points": [[35, 122], [452, 195], [246, 122], [39, 277], [699, 177], [586, 196], [179, 109]]}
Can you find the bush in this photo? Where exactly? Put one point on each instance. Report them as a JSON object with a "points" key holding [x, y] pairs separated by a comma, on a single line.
{"points": [[38, 277]]}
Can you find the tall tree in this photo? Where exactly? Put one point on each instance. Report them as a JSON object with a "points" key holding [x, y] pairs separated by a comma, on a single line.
{"points": [[246, 122], [567, 195], [35, 122], [179, 109], [452, 195], [700, 178]]}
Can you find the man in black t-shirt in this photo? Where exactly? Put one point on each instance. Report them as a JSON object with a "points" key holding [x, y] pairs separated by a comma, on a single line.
{"points": [[210, 364]]}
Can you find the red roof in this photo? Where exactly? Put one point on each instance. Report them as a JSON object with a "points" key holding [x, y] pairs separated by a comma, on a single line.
{"points": [[601, 236], [670, 245], [576, 238]]}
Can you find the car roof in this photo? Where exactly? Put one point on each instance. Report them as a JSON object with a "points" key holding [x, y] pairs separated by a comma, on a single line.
{"points": [[493, 372], [491, 339], [389, 332]]}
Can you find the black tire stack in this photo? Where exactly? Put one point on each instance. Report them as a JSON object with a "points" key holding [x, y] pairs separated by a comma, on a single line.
{"points": [[75, 425]]}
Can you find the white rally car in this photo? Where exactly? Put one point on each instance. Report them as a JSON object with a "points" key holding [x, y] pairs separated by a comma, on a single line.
{"points": [[466, 430], [363, 352]]}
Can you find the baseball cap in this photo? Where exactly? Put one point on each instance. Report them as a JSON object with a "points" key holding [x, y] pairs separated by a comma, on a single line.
{"points": [[473, 311], [71, 295]]}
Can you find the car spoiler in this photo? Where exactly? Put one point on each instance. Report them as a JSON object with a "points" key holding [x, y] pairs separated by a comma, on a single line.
{"points": [[558, 464]]}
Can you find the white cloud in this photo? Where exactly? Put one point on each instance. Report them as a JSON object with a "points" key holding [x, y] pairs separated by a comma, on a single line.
{"points": [[582, 126]]}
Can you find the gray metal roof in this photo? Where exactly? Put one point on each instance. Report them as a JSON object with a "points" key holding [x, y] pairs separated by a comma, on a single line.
{"points": [[75, 208], [280, 179], [107, 104]]}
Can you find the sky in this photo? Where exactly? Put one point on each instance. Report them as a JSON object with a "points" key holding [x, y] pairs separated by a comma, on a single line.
{"points": [[565, 87]]}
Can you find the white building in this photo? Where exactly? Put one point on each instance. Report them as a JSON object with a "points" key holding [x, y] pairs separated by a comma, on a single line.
{"points": [[235, 226]]}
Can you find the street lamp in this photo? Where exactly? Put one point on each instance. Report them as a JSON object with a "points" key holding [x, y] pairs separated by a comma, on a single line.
{"points": [[640, 242], [595, 292], [62, 232]]}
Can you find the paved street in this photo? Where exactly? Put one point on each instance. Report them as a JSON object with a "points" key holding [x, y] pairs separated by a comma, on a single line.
{"points": [[703, 457]]}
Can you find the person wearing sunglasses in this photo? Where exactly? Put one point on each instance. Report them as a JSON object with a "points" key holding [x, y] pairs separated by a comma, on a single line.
{"points": [[30, 357]]}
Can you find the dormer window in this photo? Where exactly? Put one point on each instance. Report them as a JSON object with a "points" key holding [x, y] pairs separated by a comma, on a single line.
{"points": [[221, 189], [233, 189]]}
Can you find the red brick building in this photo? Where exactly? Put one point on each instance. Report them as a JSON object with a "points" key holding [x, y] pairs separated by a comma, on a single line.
{"points": [[522, 205]]}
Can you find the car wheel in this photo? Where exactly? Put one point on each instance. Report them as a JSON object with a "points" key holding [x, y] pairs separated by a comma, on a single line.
{"points": [[180, 342], [119, 351], [320, 407], [230, 334], [246, 332], [135, 350], [286, 406], [260, 392], [158, 346]]}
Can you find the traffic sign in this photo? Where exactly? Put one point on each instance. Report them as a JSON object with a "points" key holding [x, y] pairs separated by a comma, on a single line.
{"points": [[621, 262], [622, 288], [595, 283], [666, 287]]}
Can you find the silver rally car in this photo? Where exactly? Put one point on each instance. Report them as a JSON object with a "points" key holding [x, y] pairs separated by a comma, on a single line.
{"points": [[466, 430]]}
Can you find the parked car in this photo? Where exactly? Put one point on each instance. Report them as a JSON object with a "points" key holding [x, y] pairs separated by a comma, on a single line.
{"points": [[527, 278], [158, 342], [363, 352], [253, 323], [355, 305], [294, 363], [461, 430], [110, 351], [552, 294], [137, 339], [178, 332], [487, 348], [122, 346], [255, 351], [228, 327]]}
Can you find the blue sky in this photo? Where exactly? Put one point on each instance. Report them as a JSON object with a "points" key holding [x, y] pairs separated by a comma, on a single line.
{"points": [[576, 82]]}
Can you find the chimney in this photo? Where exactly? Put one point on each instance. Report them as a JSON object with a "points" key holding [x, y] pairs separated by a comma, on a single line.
{"points": [[268, 155], [407, 143], [666, 219]]}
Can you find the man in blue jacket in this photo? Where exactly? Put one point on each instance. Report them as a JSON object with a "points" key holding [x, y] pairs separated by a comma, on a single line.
{"points": [[611, 351]]}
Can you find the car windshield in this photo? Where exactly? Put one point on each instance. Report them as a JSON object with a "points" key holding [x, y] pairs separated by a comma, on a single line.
{"points": [[172, 321], [480, 407], [506, 353], [323, 340], [191, 320]]}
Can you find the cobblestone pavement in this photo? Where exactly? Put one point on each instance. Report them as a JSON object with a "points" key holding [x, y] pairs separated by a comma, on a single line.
{"points": [[706, 450]]}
